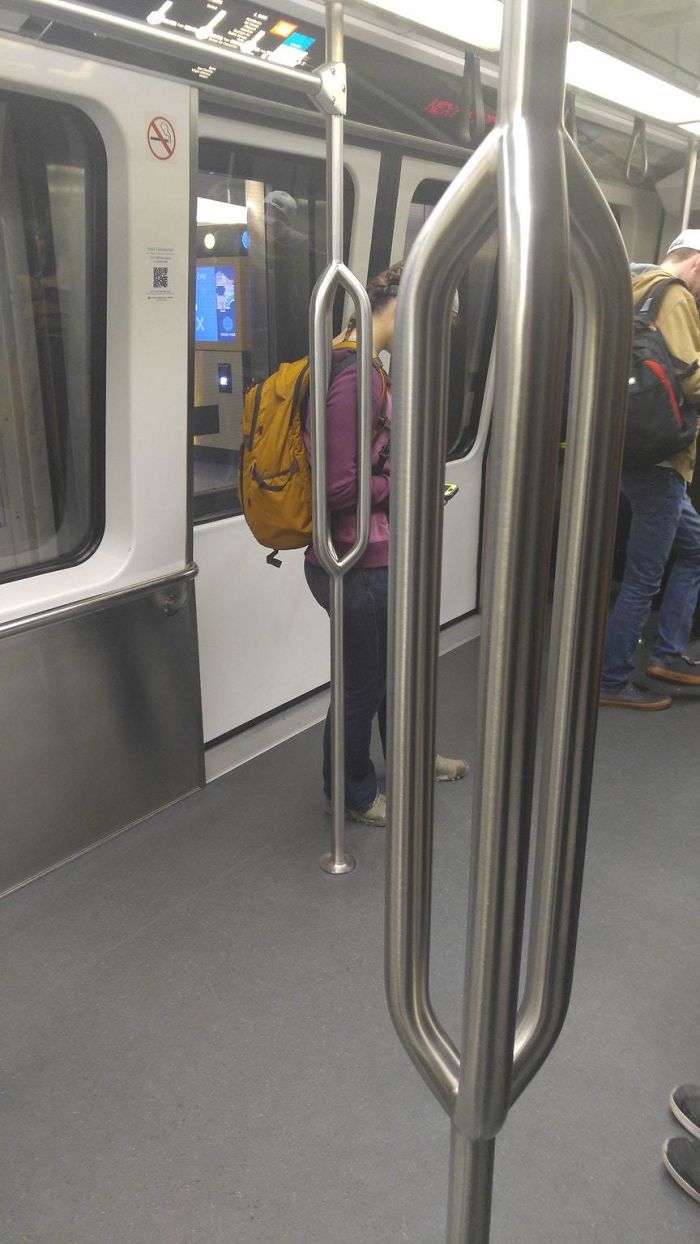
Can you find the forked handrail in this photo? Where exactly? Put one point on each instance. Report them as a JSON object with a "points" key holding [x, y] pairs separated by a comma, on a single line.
{"points": [[524, 162]]}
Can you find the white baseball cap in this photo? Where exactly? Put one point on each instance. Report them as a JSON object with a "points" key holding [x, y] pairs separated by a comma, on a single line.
{"points": [[689, 240]]}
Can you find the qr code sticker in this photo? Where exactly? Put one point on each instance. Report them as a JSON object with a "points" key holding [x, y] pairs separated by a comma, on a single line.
{"points": [[160, 278]]}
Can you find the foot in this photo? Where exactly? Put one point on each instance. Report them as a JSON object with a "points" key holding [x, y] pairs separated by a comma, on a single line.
{"points": [[634, 696], [676, 669], [682, 1161], [374, 815], [692, 653], [685, 1104], [447, 770]]}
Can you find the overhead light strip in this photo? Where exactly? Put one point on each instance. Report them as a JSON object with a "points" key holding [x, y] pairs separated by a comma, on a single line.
{"points": [[587, 69]]}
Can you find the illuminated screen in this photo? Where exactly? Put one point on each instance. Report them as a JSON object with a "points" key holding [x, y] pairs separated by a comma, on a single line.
{"points": [[215, 304]]}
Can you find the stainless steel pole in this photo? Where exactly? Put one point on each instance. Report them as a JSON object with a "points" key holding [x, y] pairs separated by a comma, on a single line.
{"points": [[526, 155], [337, 860], [533, 311], [689, 182]]}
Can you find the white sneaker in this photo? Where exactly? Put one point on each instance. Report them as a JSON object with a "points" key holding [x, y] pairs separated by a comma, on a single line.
{"points": [[447, 770], [374, 815]]}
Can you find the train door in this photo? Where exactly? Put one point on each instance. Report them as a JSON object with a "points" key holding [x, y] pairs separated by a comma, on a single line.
{"points": [[99, 694], [421, 186], [261, 244]]}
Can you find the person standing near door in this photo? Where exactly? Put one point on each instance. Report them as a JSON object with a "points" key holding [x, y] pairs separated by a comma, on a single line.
{"points": [[664, 520], [365, 592]]}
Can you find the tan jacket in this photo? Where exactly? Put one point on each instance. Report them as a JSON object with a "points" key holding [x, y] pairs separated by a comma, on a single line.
{"points": [[679, 321]]}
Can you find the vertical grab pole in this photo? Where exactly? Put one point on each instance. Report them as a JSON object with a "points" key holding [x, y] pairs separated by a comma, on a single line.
{"points": [[332, 101], [336, 861], [532, 319], [689, 182], [528, 151]]}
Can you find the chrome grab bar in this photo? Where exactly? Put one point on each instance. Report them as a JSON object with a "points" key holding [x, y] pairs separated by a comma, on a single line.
{"points": [[524, 160], [600, 364], [337, 275]]}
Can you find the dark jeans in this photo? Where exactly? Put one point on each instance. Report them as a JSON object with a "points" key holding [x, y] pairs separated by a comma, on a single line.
{"points": [[663, 521], [365, 648]]}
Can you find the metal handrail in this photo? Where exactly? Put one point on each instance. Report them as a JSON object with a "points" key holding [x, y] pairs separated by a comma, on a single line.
{"points": [[689, 181], [602, 343], [336, 276], [637, 177], [525, 159]]}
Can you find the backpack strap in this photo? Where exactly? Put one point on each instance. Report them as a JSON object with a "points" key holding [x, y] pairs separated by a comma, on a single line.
{"points": [[646, 310], [648, 305]]}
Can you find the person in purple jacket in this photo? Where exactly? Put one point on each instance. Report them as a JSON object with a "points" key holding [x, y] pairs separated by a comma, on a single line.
{"points": [[366, 585]]}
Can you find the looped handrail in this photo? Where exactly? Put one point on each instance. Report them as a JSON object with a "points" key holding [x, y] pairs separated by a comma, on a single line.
{"points": [[602, 331], [638, 139], [336, 276], [472, 126]]}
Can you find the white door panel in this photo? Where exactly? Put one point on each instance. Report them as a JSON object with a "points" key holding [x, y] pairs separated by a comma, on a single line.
{"points": [[147, 337], [263, 639]]}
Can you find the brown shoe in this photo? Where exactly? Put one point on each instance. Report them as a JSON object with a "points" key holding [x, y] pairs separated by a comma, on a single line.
{"points": [[677, 670], [634, 696]]}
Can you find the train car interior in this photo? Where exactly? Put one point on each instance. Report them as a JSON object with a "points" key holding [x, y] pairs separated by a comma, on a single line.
{"points": [[197, 1047]]}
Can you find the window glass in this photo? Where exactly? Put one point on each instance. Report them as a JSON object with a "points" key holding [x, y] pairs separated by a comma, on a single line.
{"points": [[52, 305], [260, 248], [472, 331]]}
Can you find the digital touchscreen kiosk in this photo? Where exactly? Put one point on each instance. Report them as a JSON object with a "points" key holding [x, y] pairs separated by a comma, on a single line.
{"points": [[221, 297]]}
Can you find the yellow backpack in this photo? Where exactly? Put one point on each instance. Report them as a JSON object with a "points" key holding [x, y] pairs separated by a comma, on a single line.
{"points": [[273, 468]]}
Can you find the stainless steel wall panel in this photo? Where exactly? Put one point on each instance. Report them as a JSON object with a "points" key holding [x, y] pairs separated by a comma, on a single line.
{"points": [[100, 725]]}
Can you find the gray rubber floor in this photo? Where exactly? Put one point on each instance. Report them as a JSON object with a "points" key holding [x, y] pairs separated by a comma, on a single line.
{"points": [[196, 1047]]}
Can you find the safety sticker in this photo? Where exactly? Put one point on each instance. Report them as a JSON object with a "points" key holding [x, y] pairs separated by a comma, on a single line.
{"points": [[160, 270], [161, 138]]}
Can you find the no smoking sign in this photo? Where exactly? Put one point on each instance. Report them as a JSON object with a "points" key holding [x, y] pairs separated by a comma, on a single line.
{"points": [[161, 138]]}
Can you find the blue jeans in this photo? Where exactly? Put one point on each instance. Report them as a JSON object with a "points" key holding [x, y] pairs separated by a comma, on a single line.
{"points": [[365, 594], [663, 521]]}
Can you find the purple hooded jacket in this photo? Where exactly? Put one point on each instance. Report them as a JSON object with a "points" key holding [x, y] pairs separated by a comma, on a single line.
{"points": [[341, 423]]}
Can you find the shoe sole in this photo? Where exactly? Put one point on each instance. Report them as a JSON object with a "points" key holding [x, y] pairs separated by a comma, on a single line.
{"points": [[638, 708], [458, 777], [683, 1118], [685, 680], [682, 1183]]}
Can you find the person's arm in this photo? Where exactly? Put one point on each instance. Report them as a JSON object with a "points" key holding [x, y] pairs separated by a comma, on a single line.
{"points": [[341, 424]]}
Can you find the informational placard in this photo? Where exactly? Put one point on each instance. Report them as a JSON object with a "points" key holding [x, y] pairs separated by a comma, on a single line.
{"points": [[266, 35]]}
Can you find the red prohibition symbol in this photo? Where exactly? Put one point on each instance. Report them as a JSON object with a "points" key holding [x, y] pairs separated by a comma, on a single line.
{"points": [[161, 138]]}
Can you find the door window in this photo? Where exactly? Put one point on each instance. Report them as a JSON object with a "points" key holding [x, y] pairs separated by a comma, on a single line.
{"points": [[261, 220], [52, 335], [472, 331]]}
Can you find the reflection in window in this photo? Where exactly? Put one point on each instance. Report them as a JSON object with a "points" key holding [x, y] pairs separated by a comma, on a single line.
{"points": [[52, 302], [260, 250], [472, 333]]}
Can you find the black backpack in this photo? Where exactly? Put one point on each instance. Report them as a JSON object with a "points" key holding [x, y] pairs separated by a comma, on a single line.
{"points": [[660, 422]]}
